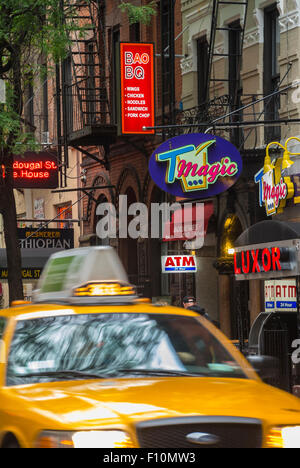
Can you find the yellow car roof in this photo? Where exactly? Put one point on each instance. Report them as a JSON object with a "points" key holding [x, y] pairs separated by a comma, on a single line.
{"points": [[42, 310]]}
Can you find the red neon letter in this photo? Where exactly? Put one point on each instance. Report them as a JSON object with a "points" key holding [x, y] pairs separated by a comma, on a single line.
{"points": [[255, 261], [237, 270], [245, 268], [267, 266], [276, 258]]}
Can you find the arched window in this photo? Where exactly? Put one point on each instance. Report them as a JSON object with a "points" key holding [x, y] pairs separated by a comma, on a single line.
{"points": [[128, 246], [99, 241]]}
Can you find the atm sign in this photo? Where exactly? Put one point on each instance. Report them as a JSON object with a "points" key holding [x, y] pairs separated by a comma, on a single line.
{"points": [[179, 264]]}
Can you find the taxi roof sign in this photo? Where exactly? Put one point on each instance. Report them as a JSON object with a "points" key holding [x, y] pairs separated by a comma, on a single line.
{"points": [[65, 271]]}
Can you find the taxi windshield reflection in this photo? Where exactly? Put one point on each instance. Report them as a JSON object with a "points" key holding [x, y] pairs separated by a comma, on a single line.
{"points": [[115, 345]]}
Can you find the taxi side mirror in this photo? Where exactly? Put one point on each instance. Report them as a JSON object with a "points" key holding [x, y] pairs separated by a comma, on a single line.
{"points": [[265, 366]]}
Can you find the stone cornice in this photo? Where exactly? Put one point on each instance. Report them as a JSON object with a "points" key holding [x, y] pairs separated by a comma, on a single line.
{"points": [[289, 21]]}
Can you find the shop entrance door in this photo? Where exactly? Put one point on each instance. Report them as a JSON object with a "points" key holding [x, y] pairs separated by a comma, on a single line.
{"points": [[240, 316]]}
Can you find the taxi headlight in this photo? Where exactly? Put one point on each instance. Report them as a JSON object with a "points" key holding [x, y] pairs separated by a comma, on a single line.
{"points": [[284, 437], [84, 439]]}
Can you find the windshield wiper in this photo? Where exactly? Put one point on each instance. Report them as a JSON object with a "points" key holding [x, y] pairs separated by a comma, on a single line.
{"points": [[71, 373], [160, 372]]}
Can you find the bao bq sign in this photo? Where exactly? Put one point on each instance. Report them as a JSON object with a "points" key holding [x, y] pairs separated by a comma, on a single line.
{"points": [[137, 87], [195, 166]]}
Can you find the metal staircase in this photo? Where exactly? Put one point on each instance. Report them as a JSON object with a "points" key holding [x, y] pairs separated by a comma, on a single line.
{"points": [[86, 86], [229, 77], [236, 29]]}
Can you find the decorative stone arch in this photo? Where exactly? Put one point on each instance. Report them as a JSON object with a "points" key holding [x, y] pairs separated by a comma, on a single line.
{"points": [[129, 178], [100, 179], [102, 198], [148, 188]]}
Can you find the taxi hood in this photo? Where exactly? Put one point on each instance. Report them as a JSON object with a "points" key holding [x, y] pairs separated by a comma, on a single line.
{"points": [[100, 403]]}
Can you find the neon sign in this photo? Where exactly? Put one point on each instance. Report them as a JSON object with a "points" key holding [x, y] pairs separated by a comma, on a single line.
{"points": [[137, 87], [258, 261], [35, 170], [195, 165], [274, 189], [179, 264]]}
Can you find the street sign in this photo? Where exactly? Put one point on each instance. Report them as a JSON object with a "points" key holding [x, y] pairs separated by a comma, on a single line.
{"points": [[137, 87], [179, 264], [27, 273]]}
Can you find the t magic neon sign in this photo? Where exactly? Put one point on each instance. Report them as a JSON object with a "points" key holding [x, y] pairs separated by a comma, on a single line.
{"points": [[137, 87], [195, 165], [35, 170], [273, 195]]}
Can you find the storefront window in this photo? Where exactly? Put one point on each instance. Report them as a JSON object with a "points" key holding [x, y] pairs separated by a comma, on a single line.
{"points": [[64, 212], [2, 326]]}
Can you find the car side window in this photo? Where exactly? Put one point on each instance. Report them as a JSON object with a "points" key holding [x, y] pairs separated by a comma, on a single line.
{"points": [[2, 326]]}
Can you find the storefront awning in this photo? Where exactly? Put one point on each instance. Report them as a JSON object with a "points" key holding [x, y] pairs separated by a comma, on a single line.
{"points": [[184, 223], [31, 258], [33, 262], [267, 232]]}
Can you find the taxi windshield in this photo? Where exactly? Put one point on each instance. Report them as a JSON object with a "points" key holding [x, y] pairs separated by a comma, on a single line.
{"points": [[115, 345]]}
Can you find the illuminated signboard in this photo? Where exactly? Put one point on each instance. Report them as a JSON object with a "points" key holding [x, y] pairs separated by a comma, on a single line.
{"points": [[268, 261], [281, 295], [35, 170], [137, 87], [27, 273], [31, 238], [195, 165], [179, 264], [274, 189]]}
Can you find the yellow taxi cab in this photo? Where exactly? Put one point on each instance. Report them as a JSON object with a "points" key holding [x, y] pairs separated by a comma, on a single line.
{"points": [[89, 364]]}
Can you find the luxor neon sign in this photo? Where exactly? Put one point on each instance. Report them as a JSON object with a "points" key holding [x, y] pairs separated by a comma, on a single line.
{"points": [[255, 261]]}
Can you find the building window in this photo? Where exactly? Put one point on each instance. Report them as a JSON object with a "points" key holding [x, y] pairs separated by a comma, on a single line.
{"points": [[45, 100], [165, 53], [29, 104], [134, 32], [64, 212], [67, 82], [116, 66], [91, 96], [234, 77], [271, 71], [3, 320], [202, 69]]}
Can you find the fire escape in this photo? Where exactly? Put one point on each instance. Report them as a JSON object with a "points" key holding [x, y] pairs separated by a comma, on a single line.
{"points": [[223, 90], [84, 78]]}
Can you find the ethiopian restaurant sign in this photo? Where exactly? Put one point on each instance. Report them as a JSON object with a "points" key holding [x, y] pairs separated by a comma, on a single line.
{"points": [[195, 165]]}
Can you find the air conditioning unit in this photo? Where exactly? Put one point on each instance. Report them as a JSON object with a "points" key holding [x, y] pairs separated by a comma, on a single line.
{"points": [[46, 138]]}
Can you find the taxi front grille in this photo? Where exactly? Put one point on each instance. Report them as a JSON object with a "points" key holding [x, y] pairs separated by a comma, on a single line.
{"points": [[217, 432]]}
